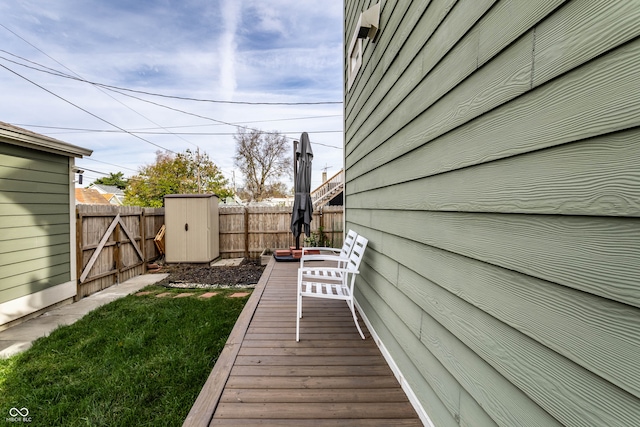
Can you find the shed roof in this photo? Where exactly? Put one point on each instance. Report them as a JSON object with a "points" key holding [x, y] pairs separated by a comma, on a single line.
{"points": [[18, 136]]}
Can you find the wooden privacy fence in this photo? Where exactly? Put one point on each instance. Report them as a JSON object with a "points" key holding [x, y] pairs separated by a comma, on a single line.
{"points": [[247, 231], [114, 243]]}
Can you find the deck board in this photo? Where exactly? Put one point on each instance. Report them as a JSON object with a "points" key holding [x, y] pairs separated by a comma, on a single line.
{"points": [[330, 378]]}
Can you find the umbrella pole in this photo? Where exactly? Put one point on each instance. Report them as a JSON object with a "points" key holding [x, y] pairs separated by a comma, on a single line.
{"points": [[295, 175]]}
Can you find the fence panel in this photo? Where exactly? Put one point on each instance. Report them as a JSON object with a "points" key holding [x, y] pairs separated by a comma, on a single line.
{"points": [[332, 220], [232, 231], [153, 221], [247, 231]]}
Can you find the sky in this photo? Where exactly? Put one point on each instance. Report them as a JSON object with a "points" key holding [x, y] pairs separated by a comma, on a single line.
{"points": [[89, 72]]}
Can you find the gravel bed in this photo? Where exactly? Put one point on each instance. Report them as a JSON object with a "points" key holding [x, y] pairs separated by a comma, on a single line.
{"points": [[199, 276]]}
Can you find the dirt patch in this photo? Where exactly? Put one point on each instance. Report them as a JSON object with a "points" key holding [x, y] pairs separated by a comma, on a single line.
{"points": [[203, 276]]}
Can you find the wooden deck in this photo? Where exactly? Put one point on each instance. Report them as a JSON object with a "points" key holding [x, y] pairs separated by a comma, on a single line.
{"points": [[330, 378]]}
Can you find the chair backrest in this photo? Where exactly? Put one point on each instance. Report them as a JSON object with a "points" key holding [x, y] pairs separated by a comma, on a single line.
{"points": [[347, 246], [357, 253]]}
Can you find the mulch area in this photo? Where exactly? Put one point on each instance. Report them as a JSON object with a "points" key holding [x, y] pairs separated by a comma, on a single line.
{"points": [[191, 275]]}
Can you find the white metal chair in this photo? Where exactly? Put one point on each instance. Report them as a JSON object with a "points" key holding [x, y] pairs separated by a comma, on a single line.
{"points": [[331, 282], [341, 256]]}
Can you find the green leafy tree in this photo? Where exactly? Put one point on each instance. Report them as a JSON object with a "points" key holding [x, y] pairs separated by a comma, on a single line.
{"points": [[182, 173], [263, 158], [114, 179]]}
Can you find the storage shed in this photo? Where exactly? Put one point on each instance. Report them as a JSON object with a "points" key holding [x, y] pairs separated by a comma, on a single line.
{"points": [[37, 222], [192, 230]]}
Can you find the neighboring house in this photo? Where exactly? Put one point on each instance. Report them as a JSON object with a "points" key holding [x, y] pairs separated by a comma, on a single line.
{"points": [[330, 192], [492, 155], [37, 222], [113, 194], [90, 196]]}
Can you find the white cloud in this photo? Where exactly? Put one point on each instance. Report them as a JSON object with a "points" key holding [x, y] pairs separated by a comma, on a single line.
{"points": [[231, 11]]}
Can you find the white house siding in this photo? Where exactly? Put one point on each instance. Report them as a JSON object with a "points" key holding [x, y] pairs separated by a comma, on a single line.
{"points": [[492, 155]]}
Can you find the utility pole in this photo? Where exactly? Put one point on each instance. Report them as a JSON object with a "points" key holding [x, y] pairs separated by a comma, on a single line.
{"points": [[233, 179], [198, 169]]}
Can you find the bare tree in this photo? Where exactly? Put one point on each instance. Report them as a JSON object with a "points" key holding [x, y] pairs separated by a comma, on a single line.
{"points": [[263, 158]]}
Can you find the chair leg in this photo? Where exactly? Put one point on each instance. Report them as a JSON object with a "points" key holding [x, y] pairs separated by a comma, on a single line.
{"points": [[355, 318], [298, 316], [298, 306]]}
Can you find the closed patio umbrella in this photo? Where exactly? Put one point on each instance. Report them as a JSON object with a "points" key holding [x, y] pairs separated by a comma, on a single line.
{"points": [[302, 204]]}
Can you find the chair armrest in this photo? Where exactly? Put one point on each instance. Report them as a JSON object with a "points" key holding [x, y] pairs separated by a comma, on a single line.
{"points": [[312, 248], [338, 260], [323, 258]]}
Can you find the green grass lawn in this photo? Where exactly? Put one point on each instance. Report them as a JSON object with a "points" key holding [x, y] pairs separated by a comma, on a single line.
{"points": [[138, 361]]}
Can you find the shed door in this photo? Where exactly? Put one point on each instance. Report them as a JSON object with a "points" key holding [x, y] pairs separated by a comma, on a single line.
{"points": [[197, 234], [175, 212]]}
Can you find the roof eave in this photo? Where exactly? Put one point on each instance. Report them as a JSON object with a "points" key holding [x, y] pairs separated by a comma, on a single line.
{"points": [[18, 136]]}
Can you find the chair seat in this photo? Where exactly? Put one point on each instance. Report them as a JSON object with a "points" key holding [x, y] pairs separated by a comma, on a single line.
{"points": [[325, 290], [323, 274]]}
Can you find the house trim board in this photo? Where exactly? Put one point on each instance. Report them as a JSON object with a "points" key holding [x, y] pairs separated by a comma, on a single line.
{"points": [[73, 266], [28, 304]]}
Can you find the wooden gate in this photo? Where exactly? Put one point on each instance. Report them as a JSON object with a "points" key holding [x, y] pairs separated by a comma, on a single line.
{"points": [[114, 244]]}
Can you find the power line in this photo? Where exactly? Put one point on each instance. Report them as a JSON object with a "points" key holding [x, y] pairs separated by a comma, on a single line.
{"points": [[107, 163], [79, 77], [183, 98], [48, 70], [118, 90], [212, 119], [86, 130], [83, 109], [251, 121]]}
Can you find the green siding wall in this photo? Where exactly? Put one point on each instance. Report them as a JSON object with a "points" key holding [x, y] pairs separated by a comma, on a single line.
{"points": [[34, 221], [492, 155]]}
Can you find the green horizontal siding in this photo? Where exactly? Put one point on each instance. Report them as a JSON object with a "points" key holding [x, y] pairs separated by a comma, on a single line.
{"points": [[561, 180], [595, 99], [579, 252], [580, 32], [19, 155], [28, 232], [32, 187], [40, 220], [400, 344], [34, 220], [492, 160], [27, 284], [28, 247]]}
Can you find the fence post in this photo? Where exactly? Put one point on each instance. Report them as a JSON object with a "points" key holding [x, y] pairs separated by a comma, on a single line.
{"points": [[79, 253], [143, 241], [117, 252], [246, 232]]}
